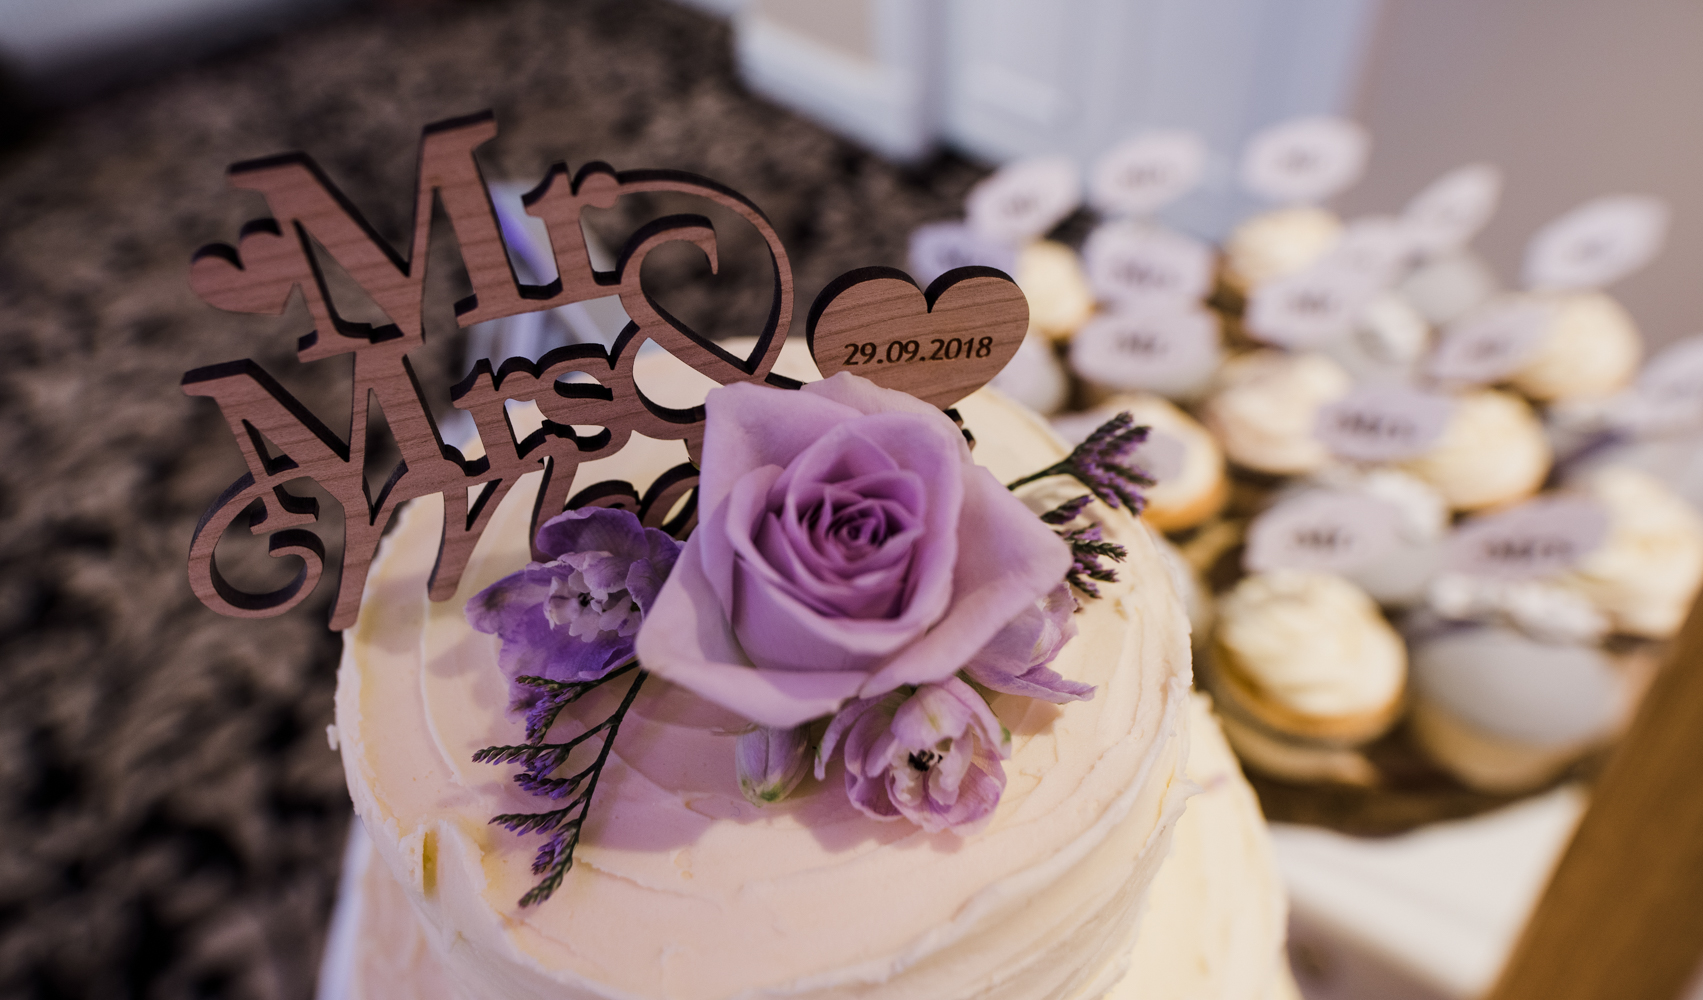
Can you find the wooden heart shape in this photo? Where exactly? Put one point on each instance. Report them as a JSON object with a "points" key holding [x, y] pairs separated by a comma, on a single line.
{"points": [[254, 279], [939, 345]]}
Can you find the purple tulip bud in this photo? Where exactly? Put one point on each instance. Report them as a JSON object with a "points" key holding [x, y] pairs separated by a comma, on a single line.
{"points": [[770, 762]]}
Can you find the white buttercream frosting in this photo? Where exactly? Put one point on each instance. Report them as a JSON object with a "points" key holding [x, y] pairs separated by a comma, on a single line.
{"points": [[1278, 243], [1311, 642], [1644, 576], [1543, 609], [1051, 277], [1449, 287], [1590, 348], [1492, 452], [1266, 409], [1214, 926], [682, 889]]}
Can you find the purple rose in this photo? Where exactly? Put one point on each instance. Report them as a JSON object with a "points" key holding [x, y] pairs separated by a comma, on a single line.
{"points": [[932, 757], [575, 618], [848, 545], [1016, 661]]}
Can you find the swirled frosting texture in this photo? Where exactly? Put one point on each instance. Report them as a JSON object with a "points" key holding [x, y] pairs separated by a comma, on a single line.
{"points": [[683, 890]]}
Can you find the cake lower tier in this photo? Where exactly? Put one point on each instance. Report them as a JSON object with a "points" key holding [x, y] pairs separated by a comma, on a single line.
{"points": [[1213, 929]]}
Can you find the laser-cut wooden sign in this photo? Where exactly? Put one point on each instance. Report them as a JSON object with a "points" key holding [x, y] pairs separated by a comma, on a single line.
{"points": [[939, 345], [978, 309]]}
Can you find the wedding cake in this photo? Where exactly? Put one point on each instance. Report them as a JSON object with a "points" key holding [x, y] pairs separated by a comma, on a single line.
{"points": [[1125, 858]]}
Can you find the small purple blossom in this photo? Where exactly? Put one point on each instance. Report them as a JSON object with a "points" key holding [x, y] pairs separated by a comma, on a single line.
{"points": [[931, 755], [1017, 660], [574, 618]]}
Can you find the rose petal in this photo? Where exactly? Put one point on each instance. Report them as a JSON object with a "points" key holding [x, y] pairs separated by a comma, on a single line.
{"points": [[1015, 660], [1007, 555], [865, 396], [697, 651], [748, 426], [931, 715], [779, 630]]}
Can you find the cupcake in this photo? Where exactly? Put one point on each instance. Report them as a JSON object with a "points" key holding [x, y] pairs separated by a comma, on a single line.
{"points": [[1446, 288], [1266, 407], [1645, 574], [1182, 458], [1385, 343], [1544, 609], [1590, 348], [1400, 577], [1051, 277], [1034, 376], [1278, 243], [1507, 713], [1305, 662], [1170, 348], [1492, 452]]}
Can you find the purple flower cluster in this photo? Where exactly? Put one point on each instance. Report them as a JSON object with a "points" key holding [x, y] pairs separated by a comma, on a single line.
{"points": [[565, 627], [853, 565], [576, 617], [931, 755]]}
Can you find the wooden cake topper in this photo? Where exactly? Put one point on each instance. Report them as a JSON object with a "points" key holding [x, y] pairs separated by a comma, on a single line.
{"points": [[964, 329], [939, 345]]}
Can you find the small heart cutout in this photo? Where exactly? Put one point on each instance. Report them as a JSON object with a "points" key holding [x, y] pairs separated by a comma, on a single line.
{"points": [[939, 346], [256, 279]]}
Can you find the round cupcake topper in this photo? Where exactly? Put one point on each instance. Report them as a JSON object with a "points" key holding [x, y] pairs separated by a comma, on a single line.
{"points": [[1305, 160], [1128, 262], [1157, 347], [938, 247], [1143, 174], [1598, 243], [1019, 202], [1538, 538], [1382, 423], [1491, 343], [1452, 209], [1668, 396], [1327, 531], [1306, 309]]}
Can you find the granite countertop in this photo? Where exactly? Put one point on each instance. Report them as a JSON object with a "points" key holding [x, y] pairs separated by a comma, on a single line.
{"points": [[173, 818]]}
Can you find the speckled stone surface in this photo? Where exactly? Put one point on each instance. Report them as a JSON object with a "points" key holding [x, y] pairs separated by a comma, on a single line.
{"points": [[173, 819]]}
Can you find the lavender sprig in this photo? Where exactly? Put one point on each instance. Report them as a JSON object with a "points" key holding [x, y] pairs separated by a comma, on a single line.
{"points": [[1068, 511], [564, 824], [1087, 547], [1098, 464], [1086, 550], [553, 696]]}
